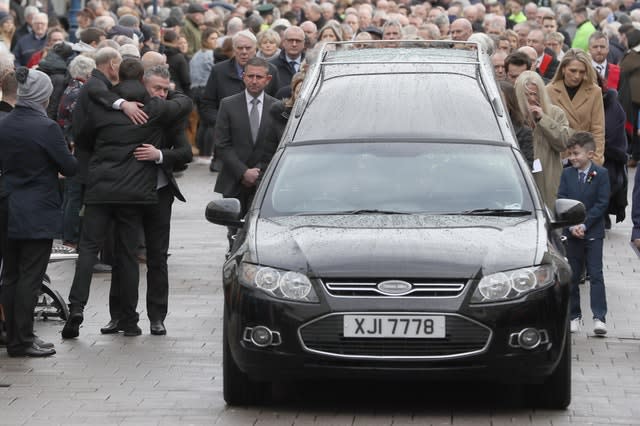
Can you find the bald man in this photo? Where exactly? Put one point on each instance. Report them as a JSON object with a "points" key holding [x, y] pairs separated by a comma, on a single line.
{"points": [[532, 54], [153, 58], [461, 29]]}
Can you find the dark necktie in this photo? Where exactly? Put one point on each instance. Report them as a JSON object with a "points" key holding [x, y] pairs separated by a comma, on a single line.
{"points": [[581, 177], [600, 69], [254, 118], [293, 65]]}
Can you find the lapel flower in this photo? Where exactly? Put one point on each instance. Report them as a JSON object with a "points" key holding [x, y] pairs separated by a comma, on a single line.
{"points": [[591, 175]]}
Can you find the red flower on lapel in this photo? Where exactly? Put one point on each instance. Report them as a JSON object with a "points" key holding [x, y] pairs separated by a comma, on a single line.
{"points": [[591, 175]]}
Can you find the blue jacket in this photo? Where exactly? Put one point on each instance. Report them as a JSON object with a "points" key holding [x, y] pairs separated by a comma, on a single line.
{"points": [[32, 153], [26, 46], [594, 194]]}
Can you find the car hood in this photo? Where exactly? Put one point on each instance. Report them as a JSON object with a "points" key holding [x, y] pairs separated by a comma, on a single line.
{"points": [[443, 246]]}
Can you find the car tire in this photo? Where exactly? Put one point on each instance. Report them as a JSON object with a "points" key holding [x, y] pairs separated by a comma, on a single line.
{"points": [[237, 388], [555, 392]]}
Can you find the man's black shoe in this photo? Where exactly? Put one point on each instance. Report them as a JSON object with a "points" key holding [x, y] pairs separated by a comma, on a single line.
{"points": [[33, 351], [157, 328], [132, 330], [111, 327], [41, 343], [72, 327]]}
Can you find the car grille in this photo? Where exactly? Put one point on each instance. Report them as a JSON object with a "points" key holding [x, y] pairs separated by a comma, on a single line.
{"points": [[369, 288], [464, 337]]}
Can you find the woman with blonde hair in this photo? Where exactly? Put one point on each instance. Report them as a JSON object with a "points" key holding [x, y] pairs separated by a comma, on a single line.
{"points": [[574, 88], [268, 44], [550, 133]]}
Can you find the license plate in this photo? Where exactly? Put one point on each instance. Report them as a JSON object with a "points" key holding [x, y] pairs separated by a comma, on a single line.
{"points": [[400, 326]]}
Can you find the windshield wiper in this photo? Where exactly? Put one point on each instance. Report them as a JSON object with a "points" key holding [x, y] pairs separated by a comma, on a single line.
{"points": [[353, 212], [496, 212]]}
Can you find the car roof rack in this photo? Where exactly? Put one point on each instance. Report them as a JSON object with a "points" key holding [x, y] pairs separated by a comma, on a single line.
{"points": [[336, 53], [480, 60], [343, 46]]}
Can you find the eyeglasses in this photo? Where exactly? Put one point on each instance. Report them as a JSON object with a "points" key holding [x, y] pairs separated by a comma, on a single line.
{"points": [[294, 40]]}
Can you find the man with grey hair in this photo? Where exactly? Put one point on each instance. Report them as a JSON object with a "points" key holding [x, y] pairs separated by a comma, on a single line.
{"points": [[234, 26], [391, 30], [226, 77], [442, 22], [545, 63], [33, 42], [29, 13], [171, 151]]}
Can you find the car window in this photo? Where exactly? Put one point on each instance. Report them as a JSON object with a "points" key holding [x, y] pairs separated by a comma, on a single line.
{"points": [[440, 104], [401, 177]]}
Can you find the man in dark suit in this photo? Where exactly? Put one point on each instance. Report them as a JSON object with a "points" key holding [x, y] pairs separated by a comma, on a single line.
{"points": [[118, 185], [546, 63], [242, 122], [599, 51], [226, 77], [172, 151], [588, 183], [291, 56]]}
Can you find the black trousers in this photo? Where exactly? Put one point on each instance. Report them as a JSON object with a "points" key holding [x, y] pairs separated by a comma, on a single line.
{"points": [[156, 222], [25, 263], [128, 221]]}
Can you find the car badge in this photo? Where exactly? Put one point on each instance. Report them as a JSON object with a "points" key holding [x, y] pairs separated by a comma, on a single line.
{"points": [[394, 287]]}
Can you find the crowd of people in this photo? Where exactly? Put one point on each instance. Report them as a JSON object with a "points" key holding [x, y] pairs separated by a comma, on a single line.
{"points": [[140, 89]]}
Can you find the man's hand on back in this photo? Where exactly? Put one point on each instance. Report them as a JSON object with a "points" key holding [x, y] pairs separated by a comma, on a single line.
{"points": [[134, 112], [146, 152]]}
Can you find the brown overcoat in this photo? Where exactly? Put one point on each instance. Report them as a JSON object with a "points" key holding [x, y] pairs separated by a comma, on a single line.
{"points": [[585, 112], [549, 142]]}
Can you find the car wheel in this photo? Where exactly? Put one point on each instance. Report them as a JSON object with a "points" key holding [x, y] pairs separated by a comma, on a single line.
{"points": [[237, 388], [555, 392]]}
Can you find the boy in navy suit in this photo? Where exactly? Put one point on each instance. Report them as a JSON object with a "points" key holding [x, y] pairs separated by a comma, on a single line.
{"points": [[588, 183]]}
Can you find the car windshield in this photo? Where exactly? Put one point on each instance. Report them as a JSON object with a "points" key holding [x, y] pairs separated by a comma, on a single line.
{"points": [[397, 178]]}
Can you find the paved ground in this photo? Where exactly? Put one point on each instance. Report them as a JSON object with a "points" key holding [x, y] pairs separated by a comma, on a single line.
{"points": [[176, 379]]}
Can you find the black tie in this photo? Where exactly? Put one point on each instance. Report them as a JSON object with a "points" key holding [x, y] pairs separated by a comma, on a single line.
{"points": [[293, 66]]}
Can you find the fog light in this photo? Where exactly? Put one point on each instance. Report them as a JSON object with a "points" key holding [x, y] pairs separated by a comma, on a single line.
{"points": [[529, 338], [261, 336]]}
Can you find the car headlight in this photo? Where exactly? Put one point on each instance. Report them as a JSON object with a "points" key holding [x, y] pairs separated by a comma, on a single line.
{"points": [[278, 283], [509, 285]]}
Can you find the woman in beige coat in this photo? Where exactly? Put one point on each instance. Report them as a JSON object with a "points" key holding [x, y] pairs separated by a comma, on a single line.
{"points": [[574, 89], [550, 133]]}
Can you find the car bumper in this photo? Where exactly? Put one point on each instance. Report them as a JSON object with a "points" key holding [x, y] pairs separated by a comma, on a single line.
{"points": [[481, 341]]}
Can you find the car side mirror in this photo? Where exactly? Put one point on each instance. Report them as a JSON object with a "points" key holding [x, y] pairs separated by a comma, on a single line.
{"points": [[568, 213], [225, 212]]}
